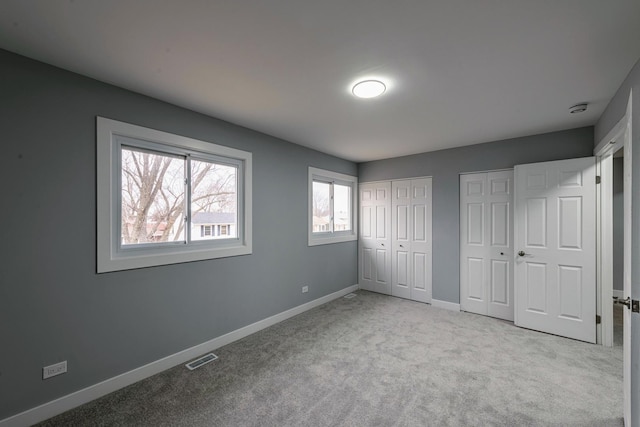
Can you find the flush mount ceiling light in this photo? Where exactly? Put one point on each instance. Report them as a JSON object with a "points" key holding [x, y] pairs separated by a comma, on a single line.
{"points": [[578, 108], [368, 89]]}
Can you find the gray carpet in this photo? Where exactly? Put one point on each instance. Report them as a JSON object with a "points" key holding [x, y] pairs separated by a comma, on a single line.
{"points": [[375, 360]]}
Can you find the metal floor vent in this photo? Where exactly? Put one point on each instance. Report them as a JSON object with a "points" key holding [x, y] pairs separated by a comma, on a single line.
{"points": [[349, 296], [201, 361]]}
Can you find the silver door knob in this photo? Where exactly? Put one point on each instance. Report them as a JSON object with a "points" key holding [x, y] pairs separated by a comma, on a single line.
{"points": [[626, 301], [521, 253]]}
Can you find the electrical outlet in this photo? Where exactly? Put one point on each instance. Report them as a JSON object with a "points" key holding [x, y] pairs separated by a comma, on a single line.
{"points": [[53, 370], [305, 289]]}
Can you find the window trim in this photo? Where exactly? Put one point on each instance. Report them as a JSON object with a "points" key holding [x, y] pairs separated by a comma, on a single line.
{"points": [[109, 255], [325, 238]]}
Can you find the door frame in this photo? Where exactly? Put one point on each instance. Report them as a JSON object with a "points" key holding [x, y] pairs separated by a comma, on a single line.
{"points": [[604, 151]]}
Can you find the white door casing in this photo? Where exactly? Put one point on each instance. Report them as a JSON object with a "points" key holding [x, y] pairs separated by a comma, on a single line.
{"points": [[486, 243], [374, 243], [555, 278], [411, 239]]}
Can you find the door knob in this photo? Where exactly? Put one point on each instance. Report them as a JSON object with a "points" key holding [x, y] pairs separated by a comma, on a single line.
{"points": [[521, 253], [626, 301]]}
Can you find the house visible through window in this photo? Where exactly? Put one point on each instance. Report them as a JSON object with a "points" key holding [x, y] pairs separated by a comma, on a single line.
{"points": [[331, 207], [169, 195], [215, 224]]}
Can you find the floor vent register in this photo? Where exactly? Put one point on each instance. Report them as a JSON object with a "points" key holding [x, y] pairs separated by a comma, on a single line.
{"points": [[195, 364]]}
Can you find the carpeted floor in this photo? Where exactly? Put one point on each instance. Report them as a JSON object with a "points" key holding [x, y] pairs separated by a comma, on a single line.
{"points": [[375, 360]]}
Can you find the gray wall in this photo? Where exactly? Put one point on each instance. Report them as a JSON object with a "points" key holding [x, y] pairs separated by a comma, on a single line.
{"points": [[53, 305], [446, 165], [618, 223], [612, 115]]}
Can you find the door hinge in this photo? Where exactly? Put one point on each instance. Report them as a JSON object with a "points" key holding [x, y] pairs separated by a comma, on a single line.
{"points": [[598, 179], [598, 319]]}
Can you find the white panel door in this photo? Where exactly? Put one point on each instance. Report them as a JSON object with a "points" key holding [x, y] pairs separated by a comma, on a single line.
{"points": [[555, 276], [374, 243], [411, 237], [421, 240], [401, 238], [486, 244], [626, 341]]}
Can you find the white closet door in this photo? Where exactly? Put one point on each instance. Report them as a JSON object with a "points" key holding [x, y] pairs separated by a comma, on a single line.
{"points": [[401, 238], [411, 234], [486, 244], [500, 227], [421, 254], [374, 248], [555, 274]]}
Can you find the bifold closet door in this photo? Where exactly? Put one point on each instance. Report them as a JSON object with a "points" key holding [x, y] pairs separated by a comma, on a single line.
{"points": [[374, 243], [486, 244], [411, 239]]}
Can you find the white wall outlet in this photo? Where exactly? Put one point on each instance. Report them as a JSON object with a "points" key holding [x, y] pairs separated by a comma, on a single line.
{"points": [[53, 370], [305, 289]]}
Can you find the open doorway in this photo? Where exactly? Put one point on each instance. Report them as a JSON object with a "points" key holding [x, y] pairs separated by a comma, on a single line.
{"points": [[616, 145], [618, 245]]}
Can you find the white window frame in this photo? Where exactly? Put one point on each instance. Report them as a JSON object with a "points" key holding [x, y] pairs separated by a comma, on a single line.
{"points": [[110, 255], [330, 237]]}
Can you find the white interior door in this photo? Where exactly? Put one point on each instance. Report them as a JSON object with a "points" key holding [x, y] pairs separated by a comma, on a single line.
{"points": [[401, 238], [486, 243], [626, 344], [374, 243], [555, 240], [421, 254], [411, 239]]}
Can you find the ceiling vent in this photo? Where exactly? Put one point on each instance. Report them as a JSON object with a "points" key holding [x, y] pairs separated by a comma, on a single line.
{"points": [[578, 108]]}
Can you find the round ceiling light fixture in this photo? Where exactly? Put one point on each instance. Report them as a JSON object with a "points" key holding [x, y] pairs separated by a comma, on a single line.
{"points": [[578, 108], [368, 89]]}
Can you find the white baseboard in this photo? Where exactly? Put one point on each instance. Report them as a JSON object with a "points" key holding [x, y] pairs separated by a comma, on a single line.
{"points": [[80, 397], [617, 293], [445, 304]]}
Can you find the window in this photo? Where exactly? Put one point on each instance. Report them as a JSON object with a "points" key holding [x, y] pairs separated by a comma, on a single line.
{"points": [[161, 198], [205, 230], [332, 207]]}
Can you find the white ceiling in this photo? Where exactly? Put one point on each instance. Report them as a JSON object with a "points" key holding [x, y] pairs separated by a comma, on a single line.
{"points": [[458, 72]]}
